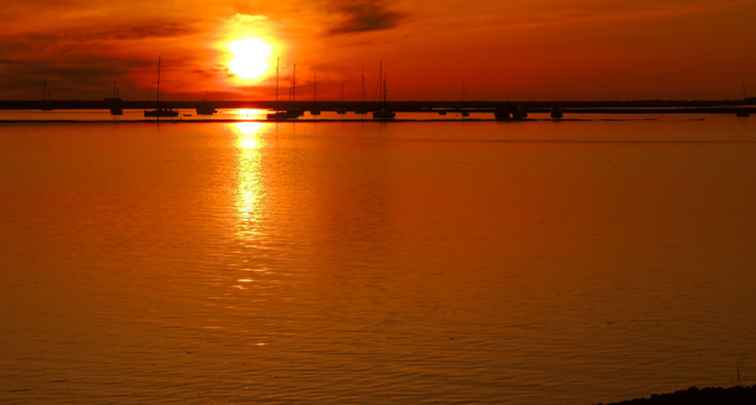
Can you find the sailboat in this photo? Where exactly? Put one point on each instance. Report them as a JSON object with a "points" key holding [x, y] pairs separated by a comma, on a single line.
{"points": [[115, 102], [160, 111], [362, 109], [315, 110], [46, 103], [205, 107], [290, 114], [384, 113], [743, 112], [342, 110]]}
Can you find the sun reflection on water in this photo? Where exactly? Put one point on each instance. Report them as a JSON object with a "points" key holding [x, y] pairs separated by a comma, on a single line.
{"points": [[249, 113], [250, 189]]}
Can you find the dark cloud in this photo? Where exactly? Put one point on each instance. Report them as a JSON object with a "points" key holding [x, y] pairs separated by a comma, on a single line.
{"points": [[83, 60], [16, 9], [158, 29], [126, 32], [67, 79], [357, 16]]}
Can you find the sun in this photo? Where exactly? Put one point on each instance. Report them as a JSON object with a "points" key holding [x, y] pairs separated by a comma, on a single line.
{"points": [[249, 58]]}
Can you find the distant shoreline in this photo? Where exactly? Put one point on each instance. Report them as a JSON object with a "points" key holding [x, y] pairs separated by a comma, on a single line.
{"points": [[316, 121], [741, 395]]}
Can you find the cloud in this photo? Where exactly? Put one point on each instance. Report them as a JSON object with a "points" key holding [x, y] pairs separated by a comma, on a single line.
{"points": [[69, 78], [125, 32], [158, 29], [356, 16], [84, 56]]}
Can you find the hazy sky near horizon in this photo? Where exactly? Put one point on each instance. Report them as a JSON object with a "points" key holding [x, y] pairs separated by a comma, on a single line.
{"points": [[432, 49]]}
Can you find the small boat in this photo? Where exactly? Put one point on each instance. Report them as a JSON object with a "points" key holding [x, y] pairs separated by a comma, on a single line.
{"points": [[115, 102], [206, 109], [161, 112], [284, 115], [46, 104], [342, 110], [384, 115]]}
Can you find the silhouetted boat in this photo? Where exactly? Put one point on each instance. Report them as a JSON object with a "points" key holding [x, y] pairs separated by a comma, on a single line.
{"points": [[115, 102], [116, 107], [361, 108], [384, 113], [206, 109], [284, 115], [342, 110], [315, 110], [742, 112], [160, 112], [46, 104]]}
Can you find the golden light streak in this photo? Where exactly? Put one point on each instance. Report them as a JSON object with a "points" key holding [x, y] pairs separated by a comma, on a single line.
{"points": [[250, 189]]}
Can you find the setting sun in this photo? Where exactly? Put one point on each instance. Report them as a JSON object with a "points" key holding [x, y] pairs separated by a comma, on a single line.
{"points": [[250, 58]]}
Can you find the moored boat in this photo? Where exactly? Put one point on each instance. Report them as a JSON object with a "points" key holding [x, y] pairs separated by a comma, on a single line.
{"points": [[160, 111]]}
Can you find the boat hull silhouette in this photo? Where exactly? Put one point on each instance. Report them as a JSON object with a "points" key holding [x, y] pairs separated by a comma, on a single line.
{"points": [[384, 115], [284, 115], [161, 113]]}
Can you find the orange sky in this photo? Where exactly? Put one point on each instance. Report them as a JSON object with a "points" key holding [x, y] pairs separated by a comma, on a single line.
{"points": [[485, 49]]}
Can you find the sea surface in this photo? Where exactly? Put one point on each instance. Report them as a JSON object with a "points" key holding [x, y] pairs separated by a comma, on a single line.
{"points": [[363, 263]]}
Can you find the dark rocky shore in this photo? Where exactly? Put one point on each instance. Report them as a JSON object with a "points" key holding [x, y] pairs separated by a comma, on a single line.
{"points": [[702, 396]]}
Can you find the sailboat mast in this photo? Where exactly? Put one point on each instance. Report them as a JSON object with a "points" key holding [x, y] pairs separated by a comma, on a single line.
{"points": [[278, 73], [157, 96], [385, 90], [380, 78], [362, 78], [294, 83], [314, 87]]}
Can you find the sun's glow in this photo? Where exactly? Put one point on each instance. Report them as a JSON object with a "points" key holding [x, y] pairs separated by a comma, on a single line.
{"points": [[248, 46], [250, 58]]}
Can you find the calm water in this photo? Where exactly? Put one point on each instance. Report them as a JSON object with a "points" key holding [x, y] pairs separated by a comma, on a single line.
{"points": [[532, 263]]}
